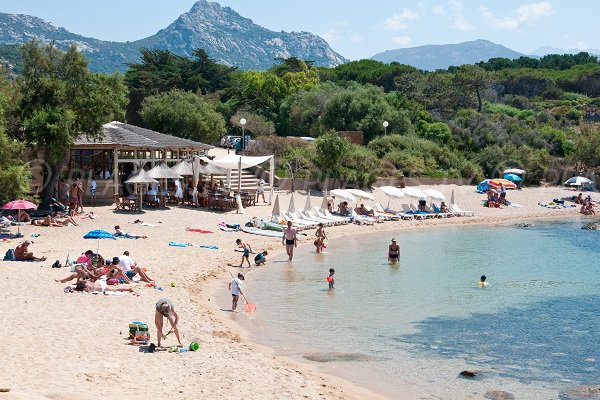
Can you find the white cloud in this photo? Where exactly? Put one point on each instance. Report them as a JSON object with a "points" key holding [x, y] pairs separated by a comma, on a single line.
{"points": [[398, 21], [581, 45], [438, 9], [331, 35], [457, 18], [356, 39], [526, 13], [402, 41]]}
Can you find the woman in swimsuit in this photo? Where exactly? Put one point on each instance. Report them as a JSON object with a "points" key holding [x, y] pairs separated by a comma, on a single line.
{"points": [[394, 252], [320, 240], [247, 249]]}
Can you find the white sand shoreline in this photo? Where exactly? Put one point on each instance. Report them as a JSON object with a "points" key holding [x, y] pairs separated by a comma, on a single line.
{"points": [[61, 345]]}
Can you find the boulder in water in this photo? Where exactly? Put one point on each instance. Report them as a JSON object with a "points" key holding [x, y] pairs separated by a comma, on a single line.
{"points": [[592, 226], [498, 395], [582, 393]]}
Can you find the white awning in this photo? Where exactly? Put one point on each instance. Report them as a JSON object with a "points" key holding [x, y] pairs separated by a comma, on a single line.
{"points": [[231, 161]]}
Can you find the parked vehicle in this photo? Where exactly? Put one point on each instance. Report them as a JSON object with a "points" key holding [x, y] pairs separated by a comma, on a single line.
{"points": [[225, 140]]}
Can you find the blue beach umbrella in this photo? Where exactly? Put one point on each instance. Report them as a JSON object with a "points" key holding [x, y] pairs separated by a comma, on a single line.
{"points": [[99, 234], [513, 177]]}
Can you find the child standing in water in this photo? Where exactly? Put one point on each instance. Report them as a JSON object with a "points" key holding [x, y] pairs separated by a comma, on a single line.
{"points": [[330, 278]]}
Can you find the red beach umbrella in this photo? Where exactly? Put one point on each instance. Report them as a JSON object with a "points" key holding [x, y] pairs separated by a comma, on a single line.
{"points": [[19, 205]]}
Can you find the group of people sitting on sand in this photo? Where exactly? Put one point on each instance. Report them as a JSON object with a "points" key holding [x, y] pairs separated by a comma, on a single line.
{"points": [[92, 273], [496, 198], [587, 206]]}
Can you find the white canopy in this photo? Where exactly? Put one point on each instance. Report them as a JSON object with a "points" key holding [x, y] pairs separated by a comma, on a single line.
{"points": [[343, 194], [392, 191], [434, 194], [362, 194], [414, 192], [231, 161], [578, 180], [514, 171]]}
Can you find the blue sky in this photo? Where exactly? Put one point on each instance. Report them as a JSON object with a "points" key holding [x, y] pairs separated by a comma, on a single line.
{"points": [[354, 28]]}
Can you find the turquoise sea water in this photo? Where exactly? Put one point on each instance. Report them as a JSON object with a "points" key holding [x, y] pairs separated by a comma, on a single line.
{"points": [[534, 331]]}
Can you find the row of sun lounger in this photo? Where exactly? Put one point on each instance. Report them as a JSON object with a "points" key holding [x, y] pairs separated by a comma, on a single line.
{"points": [[310, 219]]}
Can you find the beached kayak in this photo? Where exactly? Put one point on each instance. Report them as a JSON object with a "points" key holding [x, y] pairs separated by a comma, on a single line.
{"points": [[262, 232], [273, 226]]}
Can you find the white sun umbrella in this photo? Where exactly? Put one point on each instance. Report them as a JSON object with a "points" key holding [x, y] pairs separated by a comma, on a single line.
{"points": [[141, 176], [276, 211], [452, 197], [307, 206], [163, 172], [391, 192], [292, 207], [514, 171], [434, 194], [343, 194], [361, 194], [414, 192], [183, 168], [578, 181], [325, 202]]}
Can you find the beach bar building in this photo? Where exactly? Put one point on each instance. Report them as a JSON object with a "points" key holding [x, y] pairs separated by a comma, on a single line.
{"points": [[121, 150]]}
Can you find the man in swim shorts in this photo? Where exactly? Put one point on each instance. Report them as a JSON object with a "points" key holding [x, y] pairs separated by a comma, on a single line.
{"points": [[394, 252], [289, 240]]}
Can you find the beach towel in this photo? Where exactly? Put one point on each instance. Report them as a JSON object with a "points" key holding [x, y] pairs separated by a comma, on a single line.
{"points": [[141, 223], [181, 244], [197, 230], [10, 235]]}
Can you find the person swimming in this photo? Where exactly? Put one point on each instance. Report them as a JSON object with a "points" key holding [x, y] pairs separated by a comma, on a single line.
{"points": [[482, 281]]}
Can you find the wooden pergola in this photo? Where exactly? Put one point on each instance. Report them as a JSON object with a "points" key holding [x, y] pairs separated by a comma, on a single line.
{"points": [[123, 143]]}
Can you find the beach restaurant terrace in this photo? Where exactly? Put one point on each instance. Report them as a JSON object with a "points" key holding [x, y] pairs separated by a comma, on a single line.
{"points": [[121, 150]]}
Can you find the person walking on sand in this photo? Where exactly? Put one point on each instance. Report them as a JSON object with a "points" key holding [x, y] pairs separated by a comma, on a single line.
{"points": [[93, 187], [79, 195], [260, 189], [235, 287], [289, 240], [246, 252], [164, 308], [394, 252]]}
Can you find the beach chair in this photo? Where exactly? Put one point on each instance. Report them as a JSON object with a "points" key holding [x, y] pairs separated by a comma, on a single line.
{"points": [[407, 210], [425, 214], [456, 209], [326, 214], [310, 214], [448, 214], [302, 216], [361, 219], [385, 214], [303, 223], [400, 214]]}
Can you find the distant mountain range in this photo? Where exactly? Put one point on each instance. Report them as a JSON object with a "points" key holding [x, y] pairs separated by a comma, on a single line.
{"points": [[442, 56], [545, 50], [225, 35]]}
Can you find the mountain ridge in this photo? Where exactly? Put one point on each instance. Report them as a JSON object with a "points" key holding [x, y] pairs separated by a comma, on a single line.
{"points": [[441, 56], [225, 35]]}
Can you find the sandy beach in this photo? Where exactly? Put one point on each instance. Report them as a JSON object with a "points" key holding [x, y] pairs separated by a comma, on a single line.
{"points": [[73, 346]]}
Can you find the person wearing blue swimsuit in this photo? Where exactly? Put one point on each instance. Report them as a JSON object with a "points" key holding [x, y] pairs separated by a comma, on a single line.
{"points": [[246, 254]]}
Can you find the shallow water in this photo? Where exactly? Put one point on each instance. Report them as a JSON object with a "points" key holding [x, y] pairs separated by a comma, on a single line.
{"points": [[532, 332]]}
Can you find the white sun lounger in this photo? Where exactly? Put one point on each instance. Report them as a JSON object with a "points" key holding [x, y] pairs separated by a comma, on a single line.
{"points": [[304, 224], [399, 214], [313, 214], [303, 215], [327, 214], [456, 209]]}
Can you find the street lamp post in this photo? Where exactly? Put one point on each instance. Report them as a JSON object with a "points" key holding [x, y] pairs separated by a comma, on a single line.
{"points": [[242, 123], [385, 125]]}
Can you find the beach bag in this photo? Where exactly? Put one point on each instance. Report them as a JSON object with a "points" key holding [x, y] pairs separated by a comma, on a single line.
{"points": [[139, 333], [10, 255]]}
